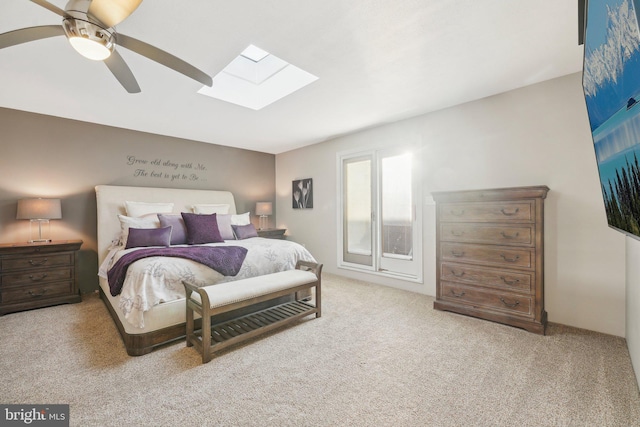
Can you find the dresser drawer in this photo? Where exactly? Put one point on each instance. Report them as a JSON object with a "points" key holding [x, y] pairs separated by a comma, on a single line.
{"points": [[488, 233], [499, 279], [501, 256], [35, 292], [35, 276], [481, 298], [520, 211], [33, 261]]}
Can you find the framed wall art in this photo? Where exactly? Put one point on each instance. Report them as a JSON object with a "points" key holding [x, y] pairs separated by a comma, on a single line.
{"points": [[302, 194]]}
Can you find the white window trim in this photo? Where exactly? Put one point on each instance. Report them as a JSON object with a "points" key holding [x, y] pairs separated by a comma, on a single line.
{"points": [[373, 269]]}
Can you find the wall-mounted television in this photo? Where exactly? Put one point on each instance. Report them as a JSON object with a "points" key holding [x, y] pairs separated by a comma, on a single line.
{"points": [[611, 84]]}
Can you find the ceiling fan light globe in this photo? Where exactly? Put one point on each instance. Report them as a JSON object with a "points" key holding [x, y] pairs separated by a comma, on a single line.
{"points": [[89, 48], [88, 38]]}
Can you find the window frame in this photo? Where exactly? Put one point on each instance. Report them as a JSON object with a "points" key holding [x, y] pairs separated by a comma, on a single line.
{"points": [[375, 156]]}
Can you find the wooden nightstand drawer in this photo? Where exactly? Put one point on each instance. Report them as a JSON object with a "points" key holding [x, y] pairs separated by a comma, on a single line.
{"points": [[272, 233], [36, 276], [36, 261], [36, 292]]}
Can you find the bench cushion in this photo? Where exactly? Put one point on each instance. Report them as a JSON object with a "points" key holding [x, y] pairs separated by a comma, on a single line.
{"points": [[231, 292]]}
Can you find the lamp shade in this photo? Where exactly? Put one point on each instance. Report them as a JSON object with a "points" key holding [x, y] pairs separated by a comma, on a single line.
{"points": [[264, 208], [39, 209]]}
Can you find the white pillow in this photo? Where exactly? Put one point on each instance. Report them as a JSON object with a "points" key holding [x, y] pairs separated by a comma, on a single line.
{"points": [[208, 209], [224, 226], [147, 221], [139, 209], [241, 219]]}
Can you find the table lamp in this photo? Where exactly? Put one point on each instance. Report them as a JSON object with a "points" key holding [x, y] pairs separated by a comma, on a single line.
{"points": [[39, 212], [264, 209]]}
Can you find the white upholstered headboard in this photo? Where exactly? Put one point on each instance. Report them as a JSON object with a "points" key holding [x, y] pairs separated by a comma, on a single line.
{"points": [[110, 202]]}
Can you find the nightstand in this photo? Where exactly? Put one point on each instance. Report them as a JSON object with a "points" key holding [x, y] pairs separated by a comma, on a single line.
{"points": [[272, 233], [34, 275]]}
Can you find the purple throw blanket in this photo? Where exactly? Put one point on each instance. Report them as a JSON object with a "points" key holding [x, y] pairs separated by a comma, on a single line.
{"points": [[226, 260]]}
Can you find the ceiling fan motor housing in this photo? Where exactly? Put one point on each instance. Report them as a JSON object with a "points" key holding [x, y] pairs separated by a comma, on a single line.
{"points": [[78, 24]]}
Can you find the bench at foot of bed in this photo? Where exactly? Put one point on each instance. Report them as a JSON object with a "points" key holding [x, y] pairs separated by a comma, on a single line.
{"points": [[215, 299]]}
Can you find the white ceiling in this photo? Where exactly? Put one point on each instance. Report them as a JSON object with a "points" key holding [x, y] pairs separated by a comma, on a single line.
{"points": [[378, 61]]}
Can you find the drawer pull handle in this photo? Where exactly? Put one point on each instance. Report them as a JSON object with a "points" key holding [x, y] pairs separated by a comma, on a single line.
{"points": [[38, 262], [36, 279], [504, 212], [510, 282], [514, 259], [34, 294], [461, 294], [509, 236], [457, 233], [457, 213], [457, 254], [515, 304], [460, 274]]}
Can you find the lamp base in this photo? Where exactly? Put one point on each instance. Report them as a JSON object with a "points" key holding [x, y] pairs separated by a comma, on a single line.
{"points": [[263, 225], [39, 231]]}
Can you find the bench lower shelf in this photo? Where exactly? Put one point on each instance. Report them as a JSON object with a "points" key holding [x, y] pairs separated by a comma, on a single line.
{"points": [[246, 327]]}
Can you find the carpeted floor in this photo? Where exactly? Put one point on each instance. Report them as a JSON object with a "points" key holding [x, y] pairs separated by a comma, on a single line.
{"points": [[377, 357]]}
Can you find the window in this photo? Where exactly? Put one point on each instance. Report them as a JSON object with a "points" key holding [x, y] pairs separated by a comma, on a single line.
{"points": [[379, 216]]}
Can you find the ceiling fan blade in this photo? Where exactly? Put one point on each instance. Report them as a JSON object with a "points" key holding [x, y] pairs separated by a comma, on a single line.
{"points": [[164, 58], [49, 6], [30, 34], [112, 12], [122, 72]]}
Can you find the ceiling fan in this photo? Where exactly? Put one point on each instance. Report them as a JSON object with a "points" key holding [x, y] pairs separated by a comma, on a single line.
{"points": [[89, 27]]}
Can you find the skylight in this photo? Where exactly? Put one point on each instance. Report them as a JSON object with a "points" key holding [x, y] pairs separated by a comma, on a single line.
{"points": [[255, 79]]}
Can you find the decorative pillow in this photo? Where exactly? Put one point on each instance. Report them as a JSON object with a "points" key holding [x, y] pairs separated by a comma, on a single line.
{"points": [[179, 231], [245, 231], [242, 219], [209, 209], [142, 237], [224, 226], [138, 209], [201, 228], [147, 221]]}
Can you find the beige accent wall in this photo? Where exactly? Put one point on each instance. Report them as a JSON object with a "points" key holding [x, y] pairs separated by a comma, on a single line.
{"points": [[44, 156], [538, 135]]}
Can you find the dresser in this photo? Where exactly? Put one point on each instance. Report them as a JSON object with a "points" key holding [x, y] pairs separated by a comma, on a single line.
{"points": [[490, 255], [34, 275]]}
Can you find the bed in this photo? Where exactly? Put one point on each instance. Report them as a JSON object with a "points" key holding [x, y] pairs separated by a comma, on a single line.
{"points": [[149, 308]]}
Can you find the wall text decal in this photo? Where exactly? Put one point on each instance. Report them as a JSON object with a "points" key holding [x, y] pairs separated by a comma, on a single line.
{"points": [[166, 169]]}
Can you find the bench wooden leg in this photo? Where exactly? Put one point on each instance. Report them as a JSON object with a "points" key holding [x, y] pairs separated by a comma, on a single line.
{"points": [[190, 325], [318, 300], [206, 335]]}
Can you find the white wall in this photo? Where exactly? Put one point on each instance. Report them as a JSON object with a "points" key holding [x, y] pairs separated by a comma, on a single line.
{"points": [[633, 302], [538, 135]]}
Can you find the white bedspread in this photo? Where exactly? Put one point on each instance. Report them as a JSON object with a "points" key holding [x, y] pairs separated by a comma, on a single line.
{"points": [[152, 281]]}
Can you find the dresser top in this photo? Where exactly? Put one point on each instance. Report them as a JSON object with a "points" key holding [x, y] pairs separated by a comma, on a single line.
{"points": [[70, 244], [513, 193]]}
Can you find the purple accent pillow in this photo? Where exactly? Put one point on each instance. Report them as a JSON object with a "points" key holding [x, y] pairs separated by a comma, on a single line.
{"points": [[244, 231], [142, 237], [179, 231], [224, 226], [201, 228]]}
